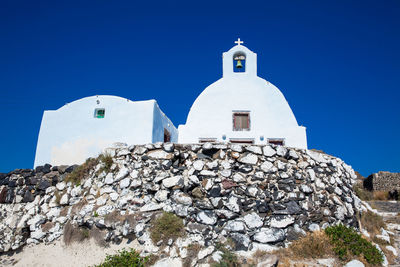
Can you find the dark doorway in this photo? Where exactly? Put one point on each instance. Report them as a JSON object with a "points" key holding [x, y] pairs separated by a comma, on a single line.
{"points": [[167, 136]]}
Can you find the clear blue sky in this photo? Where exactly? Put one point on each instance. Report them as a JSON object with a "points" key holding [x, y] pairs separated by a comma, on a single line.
{"points": [[336, 62]]}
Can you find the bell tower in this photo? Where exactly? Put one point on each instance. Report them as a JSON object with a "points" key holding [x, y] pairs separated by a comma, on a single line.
{"points": [[239, 61]]}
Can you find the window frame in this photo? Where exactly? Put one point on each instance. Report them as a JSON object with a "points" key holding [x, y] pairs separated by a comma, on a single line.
{"points": [[96, 113], [234, 128]]}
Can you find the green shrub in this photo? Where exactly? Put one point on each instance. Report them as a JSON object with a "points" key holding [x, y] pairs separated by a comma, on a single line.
{"points": [[167, 226], [229, 259], [347, 243], [124, 259]]}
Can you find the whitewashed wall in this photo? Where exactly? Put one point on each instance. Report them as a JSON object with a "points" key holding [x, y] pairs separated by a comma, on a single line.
{"points": [[271, 116], [71, 134]]}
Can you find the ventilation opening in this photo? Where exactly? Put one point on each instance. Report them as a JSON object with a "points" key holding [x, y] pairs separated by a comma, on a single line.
{"points": [[276, 141], [99, 113], [207, 140], [241, 141]]}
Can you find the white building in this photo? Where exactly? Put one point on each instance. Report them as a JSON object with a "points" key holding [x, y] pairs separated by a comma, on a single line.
{"points": [[83, 128], [242, 108]]}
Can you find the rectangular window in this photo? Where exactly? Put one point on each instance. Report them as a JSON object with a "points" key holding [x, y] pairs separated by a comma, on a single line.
{"points": [[241, 141], [207, 140], [99, 113], [241, 121], [276, 141], [167, 136]]}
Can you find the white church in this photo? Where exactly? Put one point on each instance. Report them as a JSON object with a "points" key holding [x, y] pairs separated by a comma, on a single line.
{"points": [[238, 108]]}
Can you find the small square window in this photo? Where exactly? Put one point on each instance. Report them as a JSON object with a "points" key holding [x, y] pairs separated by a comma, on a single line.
{"points": [[241, 121], [99, 113]]}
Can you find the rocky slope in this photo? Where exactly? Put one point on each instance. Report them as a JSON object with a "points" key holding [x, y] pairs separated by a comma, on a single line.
{"points": [[259, 197]]}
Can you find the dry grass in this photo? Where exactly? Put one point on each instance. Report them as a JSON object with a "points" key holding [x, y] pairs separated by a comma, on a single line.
{"points": [[192, 252], [362, 193], [380, 195], [74, 234], [313, 245], [165, 227], [82, 171], [372, 222], [47, 226]]}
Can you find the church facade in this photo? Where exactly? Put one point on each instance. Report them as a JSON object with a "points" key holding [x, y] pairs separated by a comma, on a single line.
{"points": [[83, 128], [242, 108]]}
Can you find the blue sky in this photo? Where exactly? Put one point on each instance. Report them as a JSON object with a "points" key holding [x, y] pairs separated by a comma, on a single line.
{"points": [[336, 62]]}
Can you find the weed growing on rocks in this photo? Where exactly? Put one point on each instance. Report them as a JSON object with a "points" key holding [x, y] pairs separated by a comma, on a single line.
{"points": [[347, 243], [229, 259], [81, 171], [107, 161], [124, 258], [74, 234], [167, 226], [362, 193]]}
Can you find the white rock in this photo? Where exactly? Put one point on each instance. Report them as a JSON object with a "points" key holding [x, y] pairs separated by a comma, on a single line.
{"points": [[64, 199], [205, 252], [38, 234], [254, 149], [198, 165], [248, 159], [168, 262], [226, 173], [114, 196], [253, 221], [161, 195], [125, 183], [239, 178], [268, 151], [232, 204], [76, 191], [173, 181], [306, 189], [281, 151], [206, 217], [269, 235], [235, 226], [151, 207], [102, 211], [159, 154], [313, 227], [293, 154], [311, 174], [237, 148], [267, 167], [182, 198], [392, 249], [281, 221], [61, 186], [109, 179], [122, 173], [354, 263]]}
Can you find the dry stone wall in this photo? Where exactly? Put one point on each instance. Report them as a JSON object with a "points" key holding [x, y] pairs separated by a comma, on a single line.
{"points": [[260, 197], [383, 181]]}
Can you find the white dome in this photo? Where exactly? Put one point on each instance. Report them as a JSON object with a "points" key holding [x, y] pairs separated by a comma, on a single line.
{"points": [[211, 115]]}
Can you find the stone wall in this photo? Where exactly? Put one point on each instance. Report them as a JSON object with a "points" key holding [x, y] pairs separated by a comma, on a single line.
{"points": [[260, 197], [383, 181]]}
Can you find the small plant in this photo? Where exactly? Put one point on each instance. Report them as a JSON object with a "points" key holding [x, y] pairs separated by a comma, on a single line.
{"points": [[74, 234], [58, 197], [124, 258], [192, 252], [107, 161], [95, 214], [347, 243], [167, 226], [81, 171], [229, 259], [372, 222]]}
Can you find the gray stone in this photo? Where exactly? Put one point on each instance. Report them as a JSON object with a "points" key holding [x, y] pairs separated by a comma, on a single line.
{"points": [[253, 220], [268, 151], [206, 217], [248, 159], [173, 181]]}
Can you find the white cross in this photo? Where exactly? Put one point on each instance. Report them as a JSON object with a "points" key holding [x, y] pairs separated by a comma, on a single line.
{"points": [[238, 42]]}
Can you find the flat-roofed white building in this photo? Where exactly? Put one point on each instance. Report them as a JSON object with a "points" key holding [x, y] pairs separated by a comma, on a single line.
{"points": [[83, 128]]}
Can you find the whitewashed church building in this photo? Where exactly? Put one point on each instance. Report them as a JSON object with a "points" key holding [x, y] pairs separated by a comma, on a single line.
{"points": [[242, 108], [238, 108], [83, 128]]}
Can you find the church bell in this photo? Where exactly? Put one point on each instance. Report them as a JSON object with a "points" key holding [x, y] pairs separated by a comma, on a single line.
{"points": [[239, 64]]}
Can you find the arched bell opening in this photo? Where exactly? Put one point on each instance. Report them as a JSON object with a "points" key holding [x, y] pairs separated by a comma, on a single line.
{"points": [[239, 62]]}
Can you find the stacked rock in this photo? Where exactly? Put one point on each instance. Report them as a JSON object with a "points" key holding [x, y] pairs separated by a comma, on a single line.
{"points": [[260, 197]]}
